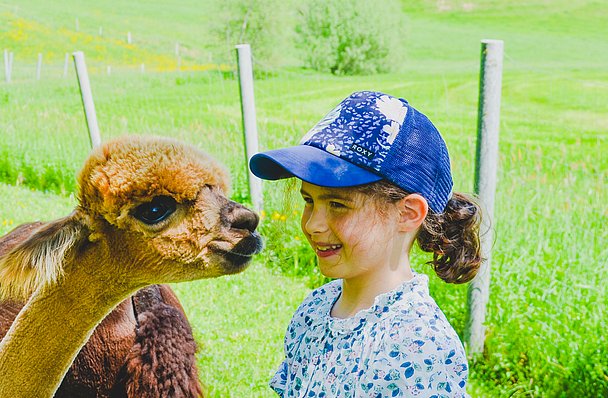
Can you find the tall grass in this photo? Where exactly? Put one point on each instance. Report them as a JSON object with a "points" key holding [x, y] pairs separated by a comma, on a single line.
{"points": [[548, 293]]}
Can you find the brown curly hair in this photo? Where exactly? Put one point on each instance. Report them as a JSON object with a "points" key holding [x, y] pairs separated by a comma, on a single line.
{"points": [[452, 236]]}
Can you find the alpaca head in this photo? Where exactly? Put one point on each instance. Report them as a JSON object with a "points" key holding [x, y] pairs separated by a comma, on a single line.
{"points": [[150, 210]]}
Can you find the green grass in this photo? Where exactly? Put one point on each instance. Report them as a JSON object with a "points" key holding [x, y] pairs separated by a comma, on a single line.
{"points": [[239, 322], [547, 308], [20, 205]]}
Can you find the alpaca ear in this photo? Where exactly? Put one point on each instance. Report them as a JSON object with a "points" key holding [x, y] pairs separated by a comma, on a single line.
{"points": [[38, 260]]}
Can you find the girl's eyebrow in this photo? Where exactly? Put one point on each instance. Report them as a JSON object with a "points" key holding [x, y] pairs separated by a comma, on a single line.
{"points": [[329, 196]]}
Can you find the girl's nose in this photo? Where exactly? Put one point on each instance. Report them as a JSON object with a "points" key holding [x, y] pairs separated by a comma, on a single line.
{"points": [[314, 222]]}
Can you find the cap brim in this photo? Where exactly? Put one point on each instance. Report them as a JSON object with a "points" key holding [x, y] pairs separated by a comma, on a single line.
{"points": [[309, 164]]}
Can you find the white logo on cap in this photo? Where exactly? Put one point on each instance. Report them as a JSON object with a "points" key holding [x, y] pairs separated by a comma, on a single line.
{"points": [[395, 111]]}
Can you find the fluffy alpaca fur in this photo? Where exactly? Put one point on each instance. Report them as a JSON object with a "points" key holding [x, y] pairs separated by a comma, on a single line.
{"points": [[162, 358], [74, 271]]}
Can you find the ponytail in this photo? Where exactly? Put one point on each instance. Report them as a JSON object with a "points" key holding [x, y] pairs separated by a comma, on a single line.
{"points": [[453, 238]]}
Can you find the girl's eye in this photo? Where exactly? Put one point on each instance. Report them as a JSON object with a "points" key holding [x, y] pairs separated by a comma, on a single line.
{"points": [[337, 205], [307, 200], [155, 211]]}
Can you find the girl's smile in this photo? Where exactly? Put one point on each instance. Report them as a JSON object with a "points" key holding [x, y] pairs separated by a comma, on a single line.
{"points": [[326, 250]]}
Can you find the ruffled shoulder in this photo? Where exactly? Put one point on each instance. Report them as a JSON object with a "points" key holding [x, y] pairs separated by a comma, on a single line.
{"points": [[314, 309]]}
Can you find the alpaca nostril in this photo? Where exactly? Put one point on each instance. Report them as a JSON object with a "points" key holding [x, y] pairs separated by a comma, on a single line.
{"points": [[237, 216], [245, 219]]}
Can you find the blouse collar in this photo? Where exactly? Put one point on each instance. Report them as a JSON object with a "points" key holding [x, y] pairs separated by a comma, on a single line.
{"points": [[383, 304]]}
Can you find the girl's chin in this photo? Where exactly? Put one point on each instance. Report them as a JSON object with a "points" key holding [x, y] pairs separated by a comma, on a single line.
{"points": [[329, 270]]}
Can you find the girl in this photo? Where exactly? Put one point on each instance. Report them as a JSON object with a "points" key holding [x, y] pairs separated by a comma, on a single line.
{"points": [[375, 178]]}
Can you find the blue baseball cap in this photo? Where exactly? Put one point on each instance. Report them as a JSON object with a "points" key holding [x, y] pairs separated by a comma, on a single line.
{"points": [[370, 136]]}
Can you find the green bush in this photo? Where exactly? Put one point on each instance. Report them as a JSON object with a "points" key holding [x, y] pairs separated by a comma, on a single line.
{"points": [[349, 37], [263, 24]]}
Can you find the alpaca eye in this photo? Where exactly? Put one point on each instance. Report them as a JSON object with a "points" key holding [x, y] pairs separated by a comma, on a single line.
{"points": [[155, 211]]}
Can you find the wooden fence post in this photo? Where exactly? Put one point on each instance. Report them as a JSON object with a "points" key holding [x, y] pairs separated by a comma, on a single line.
{"points": [[490, 83], [87, 98], [243, 52], [10, 65], [7, 66], [39, 66]]}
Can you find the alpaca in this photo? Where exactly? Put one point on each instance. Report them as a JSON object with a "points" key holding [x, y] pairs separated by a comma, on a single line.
{"points": [[149, 211]]}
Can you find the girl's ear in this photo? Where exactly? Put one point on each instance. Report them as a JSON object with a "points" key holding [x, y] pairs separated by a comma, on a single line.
{"points": [[412, 212]]}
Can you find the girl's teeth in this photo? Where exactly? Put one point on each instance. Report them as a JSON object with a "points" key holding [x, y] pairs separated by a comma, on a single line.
{"points": [[326, 248]]}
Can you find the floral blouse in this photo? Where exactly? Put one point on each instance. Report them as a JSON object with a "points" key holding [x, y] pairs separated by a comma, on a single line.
{"points": [[403, 346]]}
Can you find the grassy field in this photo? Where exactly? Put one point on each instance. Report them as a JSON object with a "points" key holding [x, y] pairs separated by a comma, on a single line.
{"points": [[546, 317]]}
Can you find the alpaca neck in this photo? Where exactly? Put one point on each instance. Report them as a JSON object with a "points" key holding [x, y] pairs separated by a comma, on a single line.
{"points": [[48, 333]]}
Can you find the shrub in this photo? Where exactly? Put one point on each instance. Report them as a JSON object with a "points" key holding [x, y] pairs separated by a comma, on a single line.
{"points": [[347, 37], [263, 24]]}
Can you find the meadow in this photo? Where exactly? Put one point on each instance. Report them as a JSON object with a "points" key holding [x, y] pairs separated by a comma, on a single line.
{"points": [[546, 321]]}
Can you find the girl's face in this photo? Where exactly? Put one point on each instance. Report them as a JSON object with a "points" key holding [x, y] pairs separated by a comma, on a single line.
{"points": [[349, 235]]}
